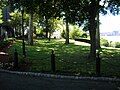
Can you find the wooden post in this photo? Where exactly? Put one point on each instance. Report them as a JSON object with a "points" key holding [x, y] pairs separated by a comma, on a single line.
{"points": [[98, 64], [53, 61]]}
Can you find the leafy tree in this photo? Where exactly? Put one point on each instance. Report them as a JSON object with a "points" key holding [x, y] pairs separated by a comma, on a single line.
{"points": [[76, 32], [89, 10], [92, 9], [15, 22], [73, 11], [29, 6], [47, 11], [114, 6]]}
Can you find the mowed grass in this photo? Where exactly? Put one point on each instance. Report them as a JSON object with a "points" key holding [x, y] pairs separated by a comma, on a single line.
{"points": [[70, 59]]}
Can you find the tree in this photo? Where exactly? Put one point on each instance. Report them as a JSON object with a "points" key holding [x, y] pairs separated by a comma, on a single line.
{"points": [[114, 6], [92, 12], [30, 32], [78, 11], [75, 12], [69, 11], [48, 11], [15, 22], [30, 9], [76, 32], [93, 9], [97, 32], [53, 26]]}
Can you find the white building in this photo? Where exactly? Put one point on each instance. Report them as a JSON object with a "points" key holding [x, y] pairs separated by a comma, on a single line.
{"points": [[56, 34]]}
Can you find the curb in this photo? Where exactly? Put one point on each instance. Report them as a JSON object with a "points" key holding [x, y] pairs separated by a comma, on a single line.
{"points": [[61, 76]]}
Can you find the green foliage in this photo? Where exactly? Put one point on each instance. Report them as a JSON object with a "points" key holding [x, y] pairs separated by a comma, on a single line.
{"points": [[84, 35], [39, 32], [117, 44], [104, 42], [1, 21], [76, 32], [52, 25], [113, 44], [4, 43], [15, 20]]}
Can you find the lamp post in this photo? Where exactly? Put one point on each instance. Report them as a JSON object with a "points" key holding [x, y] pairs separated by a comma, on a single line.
{"points": [[23, 41]]}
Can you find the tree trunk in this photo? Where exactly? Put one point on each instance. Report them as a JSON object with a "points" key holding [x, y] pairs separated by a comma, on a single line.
{"points": [[46, 29], [46, 35], [98, 33], [92, 39], [30, 32], [92, 29], [67, 31], [49, 36]]}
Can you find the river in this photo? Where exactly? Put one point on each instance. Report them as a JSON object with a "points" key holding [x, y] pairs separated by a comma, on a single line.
{"points": [[112, 38]]}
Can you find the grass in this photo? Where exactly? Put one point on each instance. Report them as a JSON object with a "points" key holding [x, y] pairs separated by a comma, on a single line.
{"points": [[70, 59]]}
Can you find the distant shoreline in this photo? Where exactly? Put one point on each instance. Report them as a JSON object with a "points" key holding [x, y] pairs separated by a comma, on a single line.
{"points": [[112, 38]]}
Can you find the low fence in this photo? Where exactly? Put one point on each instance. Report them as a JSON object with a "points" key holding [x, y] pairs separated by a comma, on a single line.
{"points": [[55, 64]]}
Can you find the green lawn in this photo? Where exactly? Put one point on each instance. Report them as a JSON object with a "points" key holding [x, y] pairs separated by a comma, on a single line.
{"points": [[70, 59]]}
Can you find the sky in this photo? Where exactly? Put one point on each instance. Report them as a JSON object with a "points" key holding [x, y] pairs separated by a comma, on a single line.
{"points": [[109, 23]]}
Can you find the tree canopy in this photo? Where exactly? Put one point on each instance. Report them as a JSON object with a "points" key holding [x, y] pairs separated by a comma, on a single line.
{"points": [[73, 11]]}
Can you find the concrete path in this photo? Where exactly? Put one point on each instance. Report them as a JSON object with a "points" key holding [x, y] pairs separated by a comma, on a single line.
{"points": [[22, 82]]}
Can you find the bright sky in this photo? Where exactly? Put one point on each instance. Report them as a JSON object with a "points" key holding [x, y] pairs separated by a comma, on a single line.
{"points": [[109, 23]]}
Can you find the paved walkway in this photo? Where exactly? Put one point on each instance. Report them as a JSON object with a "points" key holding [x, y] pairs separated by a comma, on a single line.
{"points": [[22, 82]]}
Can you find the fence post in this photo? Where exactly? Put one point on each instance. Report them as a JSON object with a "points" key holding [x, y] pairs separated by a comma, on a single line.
{"points": [[15, 60], [53, 61], [98, 64]]}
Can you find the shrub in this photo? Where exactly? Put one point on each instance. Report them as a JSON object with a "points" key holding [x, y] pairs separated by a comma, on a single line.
{"points": [[39, 32], [117, 44], [75, 34], [4, 43], [112, 44], [104, 42], [84, 35]]}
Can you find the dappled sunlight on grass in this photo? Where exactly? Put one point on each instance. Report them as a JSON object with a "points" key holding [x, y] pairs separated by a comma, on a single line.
{"points": [[71, 58], [110, 62]]}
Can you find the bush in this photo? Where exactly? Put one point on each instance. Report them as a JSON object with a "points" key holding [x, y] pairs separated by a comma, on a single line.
{"points": [[84, 35], [104, 42], [117, 44], [39, 32], [4, 43], [75, 34], [112, 44]]}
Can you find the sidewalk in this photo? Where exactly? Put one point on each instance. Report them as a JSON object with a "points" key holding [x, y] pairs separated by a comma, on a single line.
{"points": [[9, 81]]}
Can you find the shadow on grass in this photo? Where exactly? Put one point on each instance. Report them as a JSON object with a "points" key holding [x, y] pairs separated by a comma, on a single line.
{"points": [[70, 59]]}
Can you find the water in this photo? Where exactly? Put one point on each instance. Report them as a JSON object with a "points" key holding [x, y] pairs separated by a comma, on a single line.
{"points": [[112, 38]]}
